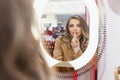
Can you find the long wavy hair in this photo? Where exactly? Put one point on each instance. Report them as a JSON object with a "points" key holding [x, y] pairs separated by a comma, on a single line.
{"points": [[20, 54], [85, 31]]}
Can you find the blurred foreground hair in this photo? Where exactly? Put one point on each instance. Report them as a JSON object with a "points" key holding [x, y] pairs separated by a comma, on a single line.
{"points": [[20, 57]]}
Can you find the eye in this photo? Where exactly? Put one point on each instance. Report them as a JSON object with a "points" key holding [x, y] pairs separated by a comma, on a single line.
{"points": [[78, 25], [71, 25]]}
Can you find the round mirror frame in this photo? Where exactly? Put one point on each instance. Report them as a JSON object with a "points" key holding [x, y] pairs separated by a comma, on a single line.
{"points": [[100, 47]]}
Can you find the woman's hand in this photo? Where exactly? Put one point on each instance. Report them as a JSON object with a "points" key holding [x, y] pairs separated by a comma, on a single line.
{"points": [[75, 42]]}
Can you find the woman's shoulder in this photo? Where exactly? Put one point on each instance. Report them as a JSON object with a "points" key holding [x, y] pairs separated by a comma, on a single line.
{"points": [[59, 38], [62, 39]]}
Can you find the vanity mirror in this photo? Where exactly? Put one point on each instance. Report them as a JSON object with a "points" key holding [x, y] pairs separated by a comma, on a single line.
{"points": [[53, 16]]}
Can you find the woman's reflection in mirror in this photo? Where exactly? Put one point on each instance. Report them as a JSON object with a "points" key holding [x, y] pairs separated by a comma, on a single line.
{"points": [[74, 41], [20, 56]]}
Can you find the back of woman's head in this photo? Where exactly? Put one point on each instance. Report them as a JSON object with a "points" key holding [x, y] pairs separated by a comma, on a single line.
{"points": [[20, 57]]}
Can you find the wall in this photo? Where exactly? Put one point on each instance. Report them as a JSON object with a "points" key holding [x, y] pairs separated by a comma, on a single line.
{"points": [[111, 58]]}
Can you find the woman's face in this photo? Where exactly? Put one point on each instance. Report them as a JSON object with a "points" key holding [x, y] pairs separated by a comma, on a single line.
{"points": [[75, 27]]}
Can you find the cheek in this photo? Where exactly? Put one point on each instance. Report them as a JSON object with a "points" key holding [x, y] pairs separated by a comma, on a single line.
{"points": [[71, 31], [80, 31]]}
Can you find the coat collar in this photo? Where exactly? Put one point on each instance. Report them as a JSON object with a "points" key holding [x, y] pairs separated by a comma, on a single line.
{"points": [[67, 42]]}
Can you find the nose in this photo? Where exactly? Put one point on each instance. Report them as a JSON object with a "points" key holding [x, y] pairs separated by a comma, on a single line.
{"points": [[75, 28]]}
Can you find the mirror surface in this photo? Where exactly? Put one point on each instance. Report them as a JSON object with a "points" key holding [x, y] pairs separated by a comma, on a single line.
{"points": [[54, 19]]}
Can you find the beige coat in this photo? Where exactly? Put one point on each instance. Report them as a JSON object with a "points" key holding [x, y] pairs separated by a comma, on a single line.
{"points": [[63, 50]]}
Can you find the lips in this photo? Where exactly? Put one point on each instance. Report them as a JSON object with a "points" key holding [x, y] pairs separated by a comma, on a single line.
{"points": [[75, 33]]}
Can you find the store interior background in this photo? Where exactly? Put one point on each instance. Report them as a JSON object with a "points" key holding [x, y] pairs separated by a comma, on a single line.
{"points": [[56, 13]]}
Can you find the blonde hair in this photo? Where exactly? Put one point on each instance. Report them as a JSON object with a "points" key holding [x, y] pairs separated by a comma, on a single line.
{"points": [[20, 55]]}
